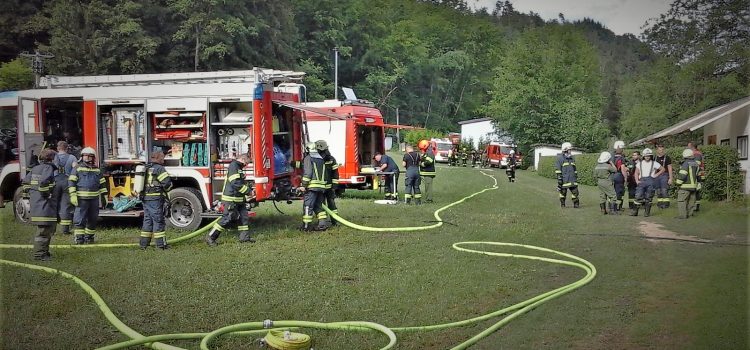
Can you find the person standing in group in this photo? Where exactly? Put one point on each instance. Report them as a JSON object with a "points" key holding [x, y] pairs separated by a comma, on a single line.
{"points": [[619, 178], [510, 169], [464, 156], [233, 197], [64, 163], [332, 178], [427, 169], [154, 197], [665, 179], [387, 164], [87, 193], [630, 182], [567, 175], [646, 173], [603, 173], [40, 182], [314, 186], [698, 157], [687, 180], [411, 163]]}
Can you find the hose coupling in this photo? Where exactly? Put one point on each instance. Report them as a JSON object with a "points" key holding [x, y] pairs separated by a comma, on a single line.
{"points": [[267, 324]]}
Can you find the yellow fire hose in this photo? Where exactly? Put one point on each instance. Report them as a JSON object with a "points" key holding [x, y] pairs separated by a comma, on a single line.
{"points": [[278, 333]]}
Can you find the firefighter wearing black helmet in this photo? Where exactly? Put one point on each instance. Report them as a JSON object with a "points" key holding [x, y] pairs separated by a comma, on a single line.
{"points": [[41, 182], [314, 186], [87, 193], [233, 197], [332, 179]]}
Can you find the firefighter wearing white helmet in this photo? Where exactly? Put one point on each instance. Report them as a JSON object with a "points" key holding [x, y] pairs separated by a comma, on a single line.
{"points": [[510, 169], [619, 178], [313, 185], [567, 175], [687, 180], [603, 173], [646, 172], [87, 193]]}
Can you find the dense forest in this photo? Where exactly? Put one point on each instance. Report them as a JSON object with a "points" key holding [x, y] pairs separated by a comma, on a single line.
{"points": [[437, 61]]}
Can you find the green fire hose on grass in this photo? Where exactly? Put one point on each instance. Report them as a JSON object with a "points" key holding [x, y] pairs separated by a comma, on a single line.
{"points": [[274, 327]]}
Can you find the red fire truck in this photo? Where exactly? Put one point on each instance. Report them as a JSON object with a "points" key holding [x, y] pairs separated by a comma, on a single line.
{"points": [[201, 121], [497, 154]]}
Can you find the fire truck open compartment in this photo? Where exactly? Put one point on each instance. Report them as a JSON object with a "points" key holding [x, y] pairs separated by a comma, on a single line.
{"points": [[62, 120], [369, 141]]}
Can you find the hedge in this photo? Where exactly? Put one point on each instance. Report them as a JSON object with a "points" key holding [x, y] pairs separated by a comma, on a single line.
{"points": [[723, 176]]}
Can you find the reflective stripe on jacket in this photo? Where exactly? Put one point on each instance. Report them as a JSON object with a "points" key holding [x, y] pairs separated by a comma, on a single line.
{"points": [[687, 177], [86, 182], [235, 187]]}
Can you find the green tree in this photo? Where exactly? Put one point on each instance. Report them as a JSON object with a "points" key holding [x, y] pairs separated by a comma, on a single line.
{"points": [[16, 75]]}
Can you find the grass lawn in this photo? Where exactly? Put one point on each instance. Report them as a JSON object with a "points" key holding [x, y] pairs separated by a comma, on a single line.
{"points": [[648, 294]]}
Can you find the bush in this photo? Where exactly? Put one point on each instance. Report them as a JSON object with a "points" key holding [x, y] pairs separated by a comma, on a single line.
{"points": [[723, 176], [412, 137]]}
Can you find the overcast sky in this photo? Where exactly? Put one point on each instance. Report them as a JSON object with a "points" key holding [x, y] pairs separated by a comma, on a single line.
{"points": [[620, 16]]}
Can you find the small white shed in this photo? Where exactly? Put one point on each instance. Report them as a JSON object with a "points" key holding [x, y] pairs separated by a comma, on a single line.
{"points": [[547, 149]]}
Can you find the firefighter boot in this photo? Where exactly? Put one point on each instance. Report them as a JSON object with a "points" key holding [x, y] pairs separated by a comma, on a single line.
{"points": [[161, 243], [408, 200], [88, 238], [145, 241], [418, 201], [212, 236], [576, 203], [245, 237], [603, 208], [619, 205], [634, 210], [306, 227], [647, 210], [79, 238], [613, 208], [65, 229], [697, 207], [562, 202]]}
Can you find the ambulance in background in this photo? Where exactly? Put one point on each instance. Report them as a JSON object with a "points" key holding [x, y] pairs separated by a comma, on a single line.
{"points": [[442, 148]]}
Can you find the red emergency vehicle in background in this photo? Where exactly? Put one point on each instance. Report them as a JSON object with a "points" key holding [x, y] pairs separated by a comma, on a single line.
{"points": [[497, 154], [200, 120], [442, 149]]}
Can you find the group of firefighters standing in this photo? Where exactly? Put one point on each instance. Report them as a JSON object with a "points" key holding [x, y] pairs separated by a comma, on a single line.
{"points": [[420, 167], [644, 175]]}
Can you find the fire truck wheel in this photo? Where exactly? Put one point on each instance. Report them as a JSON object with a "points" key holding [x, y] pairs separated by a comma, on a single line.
{"points": [[21, 208], [186, 209]]}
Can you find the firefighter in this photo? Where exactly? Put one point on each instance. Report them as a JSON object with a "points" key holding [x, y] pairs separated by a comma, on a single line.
{"points": [[619, 178], [64, 163], [87, 193], [453, 157], [474, 157], [40, 182], [155, 197], [698, 157], [332, 178], [233, 197], [510, 169], [313, 186], [646, 173], [464, 156], [427, 169], [411, 163], [567, 175], [387, 164], [687, 180], [630, 182], [665, 179], [603, 173]]}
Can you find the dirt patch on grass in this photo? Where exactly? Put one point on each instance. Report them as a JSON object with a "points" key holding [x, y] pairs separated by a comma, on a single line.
{"points": [[659, 234]]}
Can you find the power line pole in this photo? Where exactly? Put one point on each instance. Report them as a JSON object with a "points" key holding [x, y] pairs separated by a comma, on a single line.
{"points": [[37, 64], [335, 73], [398, 131]]}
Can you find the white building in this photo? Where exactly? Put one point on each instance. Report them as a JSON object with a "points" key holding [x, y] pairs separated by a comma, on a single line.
{"points": [[482, 128], [546, 150], [723, 125]]}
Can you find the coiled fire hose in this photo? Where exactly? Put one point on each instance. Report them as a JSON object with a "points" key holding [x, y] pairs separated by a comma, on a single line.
{"points": [[274, 328]]}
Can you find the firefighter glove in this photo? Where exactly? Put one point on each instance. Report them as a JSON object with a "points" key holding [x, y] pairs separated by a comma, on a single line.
{"points": [[74, 199]]}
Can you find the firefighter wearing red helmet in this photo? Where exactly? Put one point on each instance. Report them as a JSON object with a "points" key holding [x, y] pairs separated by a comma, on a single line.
{"points": [[40, 182], [87, 193], [427, 169]]}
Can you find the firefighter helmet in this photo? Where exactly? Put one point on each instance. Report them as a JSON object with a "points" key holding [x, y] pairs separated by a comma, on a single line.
{"points": [[604, 157], [648, 152], [619, 144], [89, 151], [512, 152], [423, 144], [566, 146], [321, 145], [687, 153], [311, 147]]}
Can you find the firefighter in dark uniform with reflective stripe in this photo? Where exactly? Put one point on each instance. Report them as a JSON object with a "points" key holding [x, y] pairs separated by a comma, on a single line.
{"points": [[510, 169], [411, 163], [635, 157], [665, 179], [388, 165], [567, 175], [698, 157], [314, 186], [154, 197], [619, 178], [64, 163], [235, 210], [87, 190], [427, 169], [332, 177], [687, 180], [41, 182]]}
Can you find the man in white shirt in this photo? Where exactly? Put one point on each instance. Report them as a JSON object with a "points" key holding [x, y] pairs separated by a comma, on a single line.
{"points": [[646, 173]]}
